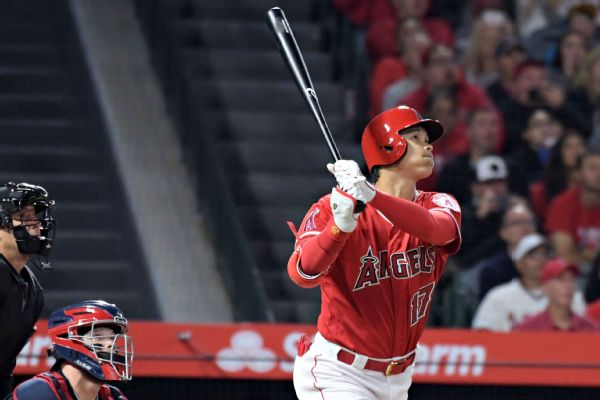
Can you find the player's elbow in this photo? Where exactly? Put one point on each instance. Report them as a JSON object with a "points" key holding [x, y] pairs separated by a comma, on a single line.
{"points": [[302, 280]]}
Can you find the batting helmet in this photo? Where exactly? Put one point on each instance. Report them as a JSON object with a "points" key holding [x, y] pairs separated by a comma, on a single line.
{"points": [[382, 143], [75, 339]]}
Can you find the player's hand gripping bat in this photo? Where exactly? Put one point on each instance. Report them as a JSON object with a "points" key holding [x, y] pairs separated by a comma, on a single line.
{"points": [[288, 47]]}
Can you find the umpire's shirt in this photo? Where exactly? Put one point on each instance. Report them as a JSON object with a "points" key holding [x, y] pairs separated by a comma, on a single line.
{"points": [[21, 302]]}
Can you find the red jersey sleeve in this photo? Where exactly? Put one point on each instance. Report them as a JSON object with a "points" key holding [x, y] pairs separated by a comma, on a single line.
{"points": [[318, 243], [443, 202], [432, 217], [315, 220]]}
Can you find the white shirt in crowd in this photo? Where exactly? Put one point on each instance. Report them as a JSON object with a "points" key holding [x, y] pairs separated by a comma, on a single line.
{"points": [[508, 304]]}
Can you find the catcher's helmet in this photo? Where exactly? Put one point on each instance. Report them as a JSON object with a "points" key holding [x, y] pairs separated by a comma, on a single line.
{"points": [[16, 196], [382, 143], [72, 330]]}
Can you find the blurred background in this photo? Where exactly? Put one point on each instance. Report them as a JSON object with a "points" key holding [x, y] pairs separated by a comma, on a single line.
{"points": [[177, 146]]}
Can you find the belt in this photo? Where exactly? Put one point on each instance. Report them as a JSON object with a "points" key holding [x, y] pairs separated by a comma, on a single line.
{"points": [[386, 367]]}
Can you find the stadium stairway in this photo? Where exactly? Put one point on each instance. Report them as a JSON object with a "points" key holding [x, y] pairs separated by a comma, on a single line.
{"points": [[52, 135], [271, 148]]}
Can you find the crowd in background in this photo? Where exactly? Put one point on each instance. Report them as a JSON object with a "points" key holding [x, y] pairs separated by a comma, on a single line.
{"points": [[517, 86]]}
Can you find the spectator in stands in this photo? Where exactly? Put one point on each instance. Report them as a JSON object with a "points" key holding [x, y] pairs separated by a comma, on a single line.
{"points": [[581, 18], [507, 305], [535, 15], [569, 58], [442, 73], [531, 90], [483, 133], [381, 35], [509, 54], [561, 173], [518, 222], [470, 13], [413, 51], [482, 217], [559, 279], [491, 27], [540, 135], [573, 218], [440, 70], [395, 76], [26, 230], [584, 100]]}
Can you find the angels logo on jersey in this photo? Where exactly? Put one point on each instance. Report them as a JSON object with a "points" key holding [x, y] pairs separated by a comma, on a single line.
{"points": [[402, 265], [446, 201], [310, 221]]}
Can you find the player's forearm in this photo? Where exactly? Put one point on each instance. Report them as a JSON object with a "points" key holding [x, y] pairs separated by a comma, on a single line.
{"points": [[316, 254], [435, 228]]}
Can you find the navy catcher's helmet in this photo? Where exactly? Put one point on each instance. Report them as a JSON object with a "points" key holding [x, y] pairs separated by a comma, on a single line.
{"points": [[74, 333]]}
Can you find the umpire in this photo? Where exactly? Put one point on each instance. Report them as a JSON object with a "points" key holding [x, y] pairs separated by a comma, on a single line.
{"points": [[26, 234]]}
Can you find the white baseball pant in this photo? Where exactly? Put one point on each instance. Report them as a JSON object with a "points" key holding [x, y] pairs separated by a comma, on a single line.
{"points": [[318, 375]]}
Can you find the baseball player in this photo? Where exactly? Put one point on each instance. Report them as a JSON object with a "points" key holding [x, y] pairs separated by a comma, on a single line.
{"points": [[91, 346], [377, 268]]}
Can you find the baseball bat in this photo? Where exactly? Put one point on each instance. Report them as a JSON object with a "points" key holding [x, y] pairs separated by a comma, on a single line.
{"points": [[288, 47]]}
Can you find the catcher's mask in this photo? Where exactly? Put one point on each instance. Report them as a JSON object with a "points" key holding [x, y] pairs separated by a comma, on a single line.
{"points": [[14, 198], [381, 141], [74, 331]]}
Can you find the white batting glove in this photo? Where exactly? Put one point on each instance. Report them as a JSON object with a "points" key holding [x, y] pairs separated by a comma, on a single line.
{"points": [[342, 207], [358, 188], [351, 180], [344, 168]]}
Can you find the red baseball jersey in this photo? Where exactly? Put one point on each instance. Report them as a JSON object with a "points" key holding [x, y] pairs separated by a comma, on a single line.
{"points": [[377, 294]]}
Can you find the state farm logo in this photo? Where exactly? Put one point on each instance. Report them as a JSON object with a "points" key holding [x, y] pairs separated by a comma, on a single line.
{"points": [[247, 351], [450, 359]]}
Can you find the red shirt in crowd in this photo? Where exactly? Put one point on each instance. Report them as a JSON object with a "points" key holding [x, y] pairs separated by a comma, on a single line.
{"points": [[543, 322], [567, 214]]}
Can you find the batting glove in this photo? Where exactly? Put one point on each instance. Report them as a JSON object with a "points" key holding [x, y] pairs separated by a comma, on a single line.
{"points": [[342, 207], [344, 168], [351, 180]]}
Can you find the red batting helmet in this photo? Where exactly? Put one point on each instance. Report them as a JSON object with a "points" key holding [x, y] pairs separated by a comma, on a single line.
{"points": [[382, 143]]}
